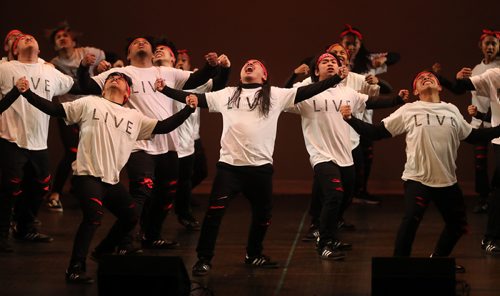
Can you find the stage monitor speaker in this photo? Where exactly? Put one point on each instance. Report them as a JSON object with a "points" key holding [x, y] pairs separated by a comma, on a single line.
{"points": [[413, 276], [142, 275]]}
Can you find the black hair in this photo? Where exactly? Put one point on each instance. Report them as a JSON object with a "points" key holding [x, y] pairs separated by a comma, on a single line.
{"points": [[125, 76], [314, 61], [150, 39], [165, 42], [63, 26]]}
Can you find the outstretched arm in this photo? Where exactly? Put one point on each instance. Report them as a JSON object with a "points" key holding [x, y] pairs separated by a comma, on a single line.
{"points": [[167, 125], [220, 80], [374, 132], [46, 106], [201, 77], [308, 91], [376, 102], [9, 98], [483, 135], [179, 95], [86, 84]]}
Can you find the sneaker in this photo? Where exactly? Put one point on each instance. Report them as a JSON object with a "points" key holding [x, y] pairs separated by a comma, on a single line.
{"points": [[201, 267], [343, 225], [328, 252], [33, 237], [341, 246], [459, 268], [75, 274], [312, 234], [5, 247], [160, 244], [261, 260], [55, 205], [189, 222], [129, 251], [491, 247], [366, 198]]}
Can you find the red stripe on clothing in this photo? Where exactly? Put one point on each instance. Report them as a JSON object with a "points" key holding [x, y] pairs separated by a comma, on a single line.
{"points": [[96, 200]]}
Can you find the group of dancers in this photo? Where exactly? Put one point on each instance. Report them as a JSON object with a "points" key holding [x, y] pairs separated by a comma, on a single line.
{"points": [[145, 116]]}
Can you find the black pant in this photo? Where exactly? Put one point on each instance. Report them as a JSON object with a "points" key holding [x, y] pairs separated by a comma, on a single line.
{"points": [[25, 181], [69, 136], [255, 182], [93, 194], [334, 185], [364, 165], [184, 186], [450, 203], [200, 167], [153, 183], [493, 226]]}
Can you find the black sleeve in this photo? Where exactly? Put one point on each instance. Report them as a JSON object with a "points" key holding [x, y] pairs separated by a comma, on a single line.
{"points": [[392, 58], [46, 106], [200, 77], [86, 84], [378, 102], [373, 132], [167, 125], [483, 135], [458, 87], [305, 92], [385, 87], [290, 81], [221, 79], [180, 96], [9, 98], [484, 116]]}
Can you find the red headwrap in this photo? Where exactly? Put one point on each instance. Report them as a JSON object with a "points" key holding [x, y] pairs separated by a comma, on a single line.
{"points": [[261, 64], [487, 32], [323, 56], [16, 41], [350, 30], [338, 44], [10, 34]]}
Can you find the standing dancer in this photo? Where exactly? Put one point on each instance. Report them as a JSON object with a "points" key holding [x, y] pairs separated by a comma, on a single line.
{"points": [[250, 115], [433, 130], [108, 132]]}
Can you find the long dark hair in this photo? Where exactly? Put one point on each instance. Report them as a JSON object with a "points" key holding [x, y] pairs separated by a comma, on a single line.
{"points": [[262, 98]]}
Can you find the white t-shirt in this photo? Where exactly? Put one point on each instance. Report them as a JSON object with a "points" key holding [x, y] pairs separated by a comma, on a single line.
{"points": [[358, 83], [482, 102], [189, 131], [247, 136], [150, 102], [326, 134], [488, 85], [23, 123], [433, 135], [108, 133], [70, 66]]}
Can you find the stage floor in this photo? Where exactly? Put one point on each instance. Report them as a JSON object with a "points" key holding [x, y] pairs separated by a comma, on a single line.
{"points": [[38, 269]]}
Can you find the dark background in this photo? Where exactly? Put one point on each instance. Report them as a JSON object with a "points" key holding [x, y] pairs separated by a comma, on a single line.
{"points": [[281, 33]]}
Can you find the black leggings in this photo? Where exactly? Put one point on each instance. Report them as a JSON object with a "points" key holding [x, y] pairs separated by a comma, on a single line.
{"points": [[184, 186], [450, 203], [255, 182], [93, 195], [25, 181], [69, 136], [493, 226]]}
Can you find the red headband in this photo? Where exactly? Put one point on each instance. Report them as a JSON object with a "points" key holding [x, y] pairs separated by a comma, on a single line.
{"points": [[182, 51], [10, 34], [350, 30], [487, 32], [420, 74], [323, 56], [260, 63], [19, 38]]}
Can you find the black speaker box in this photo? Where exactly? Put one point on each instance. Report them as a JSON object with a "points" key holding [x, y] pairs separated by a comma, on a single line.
{"points": [[142, 275], [413, 276]]}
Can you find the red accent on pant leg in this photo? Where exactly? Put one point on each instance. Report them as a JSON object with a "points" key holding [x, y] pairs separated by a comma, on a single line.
{"points": [[335, 180], [339, 189], [148, 182], [481, 156], [421, 204], [46, 188], [480, 147], [100, 213], [46, 180], [96, 200], [132, 205], [168, 207], [420, 198], [216, 207], [15, 180], [17, 193], [172, 183], [73, 149]]}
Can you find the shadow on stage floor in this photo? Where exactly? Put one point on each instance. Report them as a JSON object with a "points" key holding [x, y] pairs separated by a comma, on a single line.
{"points": [[39, 269]]}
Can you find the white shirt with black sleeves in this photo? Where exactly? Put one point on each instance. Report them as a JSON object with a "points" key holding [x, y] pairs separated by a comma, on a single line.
{"points": [[433, 135], [108, 133]]}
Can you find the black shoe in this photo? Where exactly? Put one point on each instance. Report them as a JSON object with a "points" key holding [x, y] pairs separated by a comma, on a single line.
{"points": [[159, 244], [328, 252], [189, 222], [33, 237], [459, 268], [366, 198], [5, 247], [343, 225], [312, 234], [261, 261], [341, 246], [201, 267], [75, 274], [129, 251]]}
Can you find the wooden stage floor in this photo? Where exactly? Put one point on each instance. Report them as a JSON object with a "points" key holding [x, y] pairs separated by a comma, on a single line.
{"points": [[39, 269]]}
